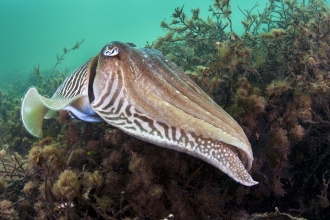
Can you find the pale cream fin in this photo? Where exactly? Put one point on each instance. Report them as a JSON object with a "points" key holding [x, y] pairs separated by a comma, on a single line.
{"points": [[33, 112], [50, 114], [57, 104], [36, 107]]}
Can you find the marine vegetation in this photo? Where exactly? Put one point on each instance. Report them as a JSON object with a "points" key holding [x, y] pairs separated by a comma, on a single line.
{"points": [[273, 79]]}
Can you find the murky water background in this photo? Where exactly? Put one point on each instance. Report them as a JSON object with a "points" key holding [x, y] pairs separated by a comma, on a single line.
{"points": [[34, 31]]}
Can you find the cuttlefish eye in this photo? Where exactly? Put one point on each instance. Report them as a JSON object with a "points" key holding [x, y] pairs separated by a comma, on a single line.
{"points": [[110, 52]]}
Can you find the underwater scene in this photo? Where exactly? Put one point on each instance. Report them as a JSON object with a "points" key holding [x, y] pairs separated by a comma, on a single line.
{"points": [[154, 110]]}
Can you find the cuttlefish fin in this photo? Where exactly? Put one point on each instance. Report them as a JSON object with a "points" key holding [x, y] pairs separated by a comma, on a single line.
{"points": [[50, 114], [33, 112], [57, 104], [36, 107]]}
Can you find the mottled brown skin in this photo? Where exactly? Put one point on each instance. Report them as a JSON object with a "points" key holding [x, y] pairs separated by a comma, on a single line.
{"points": [[158, 89]]}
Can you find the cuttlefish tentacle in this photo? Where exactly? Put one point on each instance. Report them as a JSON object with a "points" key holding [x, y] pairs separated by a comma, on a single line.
{"points": [[144, 94], [140, 92]]}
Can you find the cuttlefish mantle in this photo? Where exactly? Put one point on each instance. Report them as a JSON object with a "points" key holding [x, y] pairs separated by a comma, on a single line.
{"points": [[141, 92]]}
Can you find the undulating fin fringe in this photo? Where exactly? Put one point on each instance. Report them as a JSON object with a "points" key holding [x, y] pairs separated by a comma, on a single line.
{"points": [[36, 107], [33, 112]]}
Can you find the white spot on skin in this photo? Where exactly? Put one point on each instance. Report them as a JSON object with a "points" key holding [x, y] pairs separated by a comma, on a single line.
{"points": [[222, 157], [27, 110]]}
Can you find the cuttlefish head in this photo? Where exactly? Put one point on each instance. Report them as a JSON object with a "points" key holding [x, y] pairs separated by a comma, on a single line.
{"points": [[141, 92]]}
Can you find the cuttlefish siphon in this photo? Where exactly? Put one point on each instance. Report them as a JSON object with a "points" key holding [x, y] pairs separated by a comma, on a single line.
{"points": [[141, 92]]}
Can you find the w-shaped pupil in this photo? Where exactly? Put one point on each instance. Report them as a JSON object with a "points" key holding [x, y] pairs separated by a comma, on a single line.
{"points": [[111, 52]]}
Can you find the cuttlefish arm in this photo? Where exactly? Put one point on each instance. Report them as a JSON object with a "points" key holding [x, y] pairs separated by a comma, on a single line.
{"points": [[144, 94], [72, 95]]}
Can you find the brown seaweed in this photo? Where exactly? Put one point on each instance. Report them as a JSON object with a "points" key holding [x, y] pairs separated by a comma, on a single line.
{"points": [[273, 79]]}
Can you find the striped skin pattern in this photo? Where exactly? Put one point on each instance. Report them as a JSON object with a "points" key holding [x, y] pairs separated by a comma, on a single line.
{"points": [[142, 93], [75, 84], [72, 95]]}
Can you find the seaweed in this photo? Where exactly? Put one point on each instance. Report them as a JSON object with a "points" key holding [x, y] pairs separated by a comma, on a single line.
{"points": [[273, 79]]}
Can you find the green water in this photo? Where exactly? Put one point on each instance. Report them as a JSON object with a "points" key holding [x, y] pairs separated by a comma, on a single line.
{"points": [[34, 31], [275, 85]]}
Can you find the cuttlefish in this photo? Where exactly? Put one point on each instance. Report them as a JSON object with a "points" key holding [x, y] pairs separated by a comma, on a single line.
{"points": [[141, 92]]}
